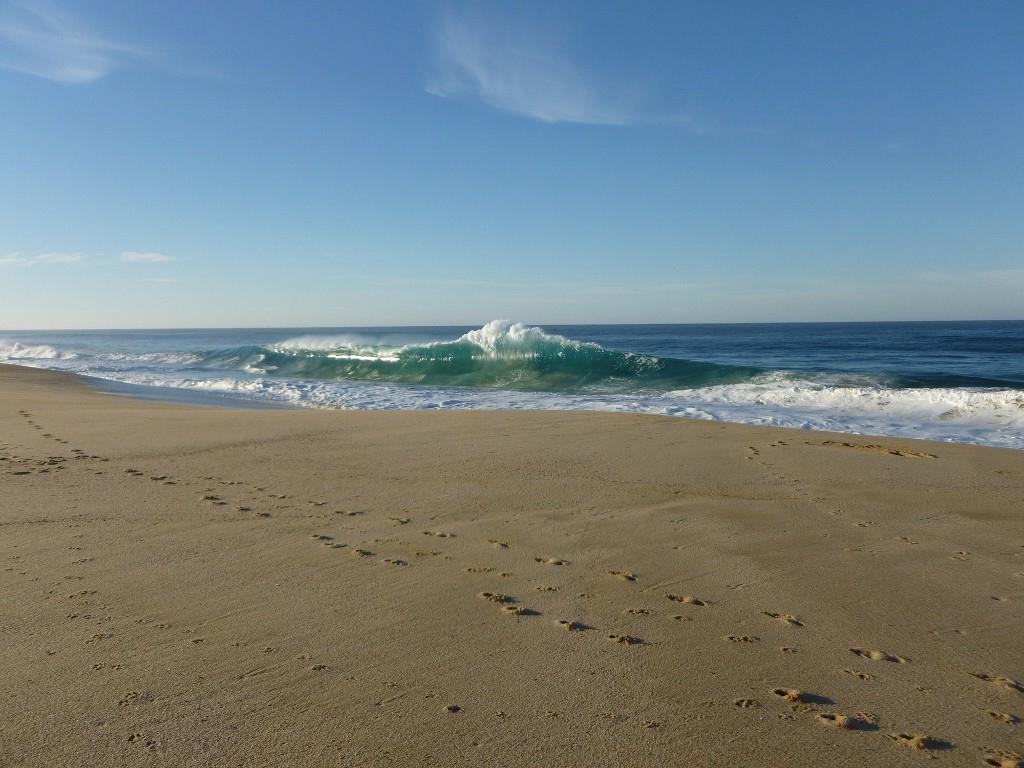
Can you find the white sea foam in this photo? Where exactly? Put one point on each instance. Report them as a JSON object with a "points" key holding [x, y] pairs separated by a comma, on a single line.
{"points": [[502, 333], [16, 352], [986, 417]]}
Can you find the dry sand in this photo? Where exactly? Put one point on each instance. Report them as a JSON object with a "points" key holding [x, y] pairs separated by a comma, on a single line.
{"points": [[189, 586]]}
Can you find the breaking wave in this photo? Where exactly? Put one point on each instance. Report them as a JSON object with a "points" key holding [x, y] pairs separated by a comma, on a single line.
{"points": [[500, 355]]}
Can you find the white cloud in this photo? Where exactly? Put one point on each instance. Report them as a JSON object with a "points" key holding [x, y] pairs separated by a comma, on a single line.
{"points": [[16, 259], [518, 70], [38, 38], [145, 257]]}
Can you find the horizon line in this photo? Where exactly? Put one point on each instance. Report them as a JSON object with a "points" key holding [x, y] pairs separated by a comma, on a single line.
{"points": [[481, 324]]}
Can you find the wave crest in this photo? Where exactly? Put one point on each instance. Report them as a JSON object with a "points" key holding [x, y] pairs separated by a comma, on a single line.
{"points": [[499, 355], [18, 351]]}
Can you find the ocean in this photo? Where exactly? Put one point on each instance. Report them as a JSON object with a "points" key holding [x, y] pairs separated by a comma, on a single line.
{"points": [[950, 381]]}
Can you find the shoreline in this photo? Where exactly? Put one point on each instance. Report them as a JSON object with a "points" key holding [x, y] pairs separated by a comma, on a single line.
{"points": [[232, 400], [232, 586]]}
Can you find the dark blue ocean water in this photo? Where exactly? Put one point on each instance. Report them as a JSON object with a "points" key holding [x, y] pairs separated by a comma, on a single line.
{"points": [[936, 354], [959, 381]]}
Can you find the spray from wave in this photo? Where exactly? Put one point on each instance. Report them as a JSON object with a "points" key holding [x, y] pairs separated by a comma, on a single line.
{"points": [[16, 352]]}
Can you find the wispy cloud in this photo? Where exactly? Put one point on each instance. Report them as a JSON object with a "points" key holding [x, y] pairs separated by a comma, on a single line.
{"points": [[521, 70], [17, 259], [39, 38], [145, 257], [1010, 276]]}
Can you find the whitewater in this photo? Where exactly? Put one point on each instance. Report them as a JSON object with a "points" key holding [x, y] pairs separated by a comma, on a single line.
{"points": [[958, 382]]}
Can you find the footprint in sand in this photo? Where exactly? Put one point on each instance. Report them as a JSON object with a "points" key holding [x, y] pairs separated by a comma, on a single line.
{"points": [[797, 696], [741, 638], [833, 719], [639, 611], [870, 653], [134, 697], [518, 610], [858, 723], [625, 639], [746, 703], [362, 552], [1004, 717], [550, 561], [1001, 758], [789, 694], [138, 738], [874, 448], [394, 561], [1007, 683], [399, 520], [439, 534], [687, 599], [785, 618], [571, 626], [623, 575], [858, 675], [498, 544], [919, 741], [496, 597]]}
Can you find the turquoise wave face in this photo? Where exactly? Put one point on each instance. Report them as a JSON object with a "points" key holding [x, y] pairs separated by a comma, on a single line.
{"points": [[535, 363]]}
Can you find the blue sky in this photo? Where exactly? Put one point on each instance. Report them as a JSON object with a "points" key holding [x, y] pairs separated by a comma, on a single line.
{"points": [[283, 163]]}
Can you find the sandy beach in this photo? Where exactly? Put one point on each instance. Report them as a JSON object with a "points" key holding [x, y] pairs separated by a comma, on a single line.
{"points": [[196, 586]]}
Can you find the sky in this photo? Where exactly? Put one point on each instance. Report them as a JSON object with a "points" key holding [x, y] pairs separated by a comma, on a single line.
{"points": [[181, 163]]}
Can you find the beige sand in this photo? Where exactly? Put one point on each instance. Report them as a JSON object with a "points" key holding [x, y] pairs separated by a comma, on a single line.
{"points": [[193, 586]]}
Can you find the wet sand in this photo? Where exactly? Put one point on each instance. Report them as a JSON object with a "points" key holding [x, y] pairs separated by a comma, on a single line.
{"points": [[194, 586]]}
